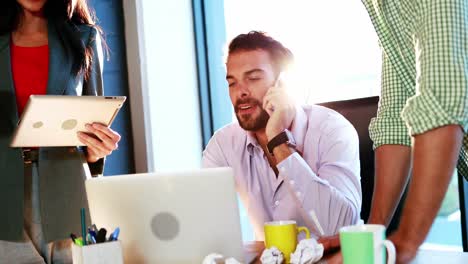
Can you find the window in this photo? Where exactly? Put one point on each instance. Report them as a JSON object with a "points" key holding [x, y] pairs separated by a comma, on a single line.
{"points": [[337, 58], [335, 46], [163, 81], [336, 50]]}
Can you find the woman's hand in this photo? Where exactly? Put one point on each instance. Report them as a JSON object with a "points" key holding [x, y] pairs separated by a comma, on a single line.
{"points": [[100, 140]]}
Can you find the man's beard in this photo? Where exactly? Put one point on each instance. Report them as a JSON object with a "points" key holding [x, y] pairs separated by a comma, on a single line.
{"points": [[249, 121]]}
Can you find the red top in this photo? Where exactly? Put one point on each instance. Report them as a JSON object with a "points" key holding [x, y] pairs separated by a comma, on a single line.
{"points": [[30, 67]]}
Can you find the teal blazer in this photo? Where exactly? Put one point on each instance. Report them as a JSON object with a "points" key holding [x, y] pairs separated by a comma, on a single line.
{"points": [[61, 170]]}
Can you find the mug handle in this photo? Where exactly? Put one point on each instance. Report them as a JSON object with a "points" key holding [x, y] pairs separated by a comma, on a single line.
{"points": [[305, 230], [390, 250]]}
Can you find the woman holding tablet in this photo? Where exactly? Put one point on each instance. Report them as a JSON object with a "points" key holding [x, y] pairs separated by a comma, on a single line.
{"points": [[46, 47]]}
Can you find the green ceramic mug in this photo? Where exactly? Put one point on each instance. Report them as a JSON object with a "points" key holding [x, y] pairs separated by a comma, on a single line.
{"points": [[366, 244]]}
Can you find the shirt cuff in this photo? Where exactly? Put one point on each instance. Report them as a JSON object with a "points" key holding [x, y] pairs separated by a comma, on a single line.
{"points": [[388, 131], [97, 167], [298, 175], [425, 112]]}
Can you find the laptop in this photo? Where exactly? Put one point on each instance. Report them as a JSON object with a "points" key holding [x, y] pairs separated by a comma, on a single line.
{"points": [[169, 217], [54, 120]]}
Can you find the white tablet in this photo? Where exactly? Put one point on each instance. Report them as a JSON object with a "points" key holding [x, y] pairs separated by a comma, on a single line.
{"points": [[54, 120]]}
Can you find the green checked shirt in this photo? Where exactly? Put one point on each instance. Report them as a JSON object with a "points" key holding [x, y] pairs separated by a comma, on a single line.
{"points": [[425, 69]]}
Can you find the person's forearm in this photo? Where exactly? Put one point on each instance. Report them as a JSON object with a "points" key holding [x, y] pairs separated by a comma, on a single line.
{"points": [[435, 157], [281, 152], [339, 199], [392, 166]]}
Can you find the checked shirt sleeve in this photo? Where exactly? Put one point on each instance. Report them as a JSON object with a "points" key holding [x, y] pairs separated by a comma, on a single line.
{"points": [[388, 127], [442, 85]]}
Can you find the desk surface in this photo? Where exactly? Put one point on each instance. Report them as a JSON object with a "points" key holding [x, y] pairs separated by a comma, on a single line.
{"points": [[254, 249], [445, 257]]}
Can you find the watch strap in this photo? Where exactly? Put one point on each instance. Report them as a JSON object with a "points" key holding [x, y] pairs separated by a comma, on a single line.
{"points": [[279, 139]]}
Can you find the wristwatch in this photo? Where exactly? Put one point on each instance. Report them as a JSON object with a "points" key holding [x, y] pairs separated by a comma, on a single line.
{"points": [[283, 137]]}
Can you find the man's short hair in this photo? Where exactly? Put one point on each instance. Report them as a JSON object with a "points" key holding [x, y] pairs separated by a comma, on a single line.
{"points": [[282, 57]]}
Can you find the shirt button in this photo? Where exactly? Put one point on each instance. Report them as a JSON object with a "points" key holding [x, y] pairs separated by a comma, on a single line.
{"points": [[298, 194], [291, 182], [283, 169], [276, 203]]}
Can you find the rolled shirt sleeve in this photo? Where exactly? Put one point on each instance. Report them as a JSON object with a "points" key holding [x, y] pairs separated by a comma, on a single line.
{"points": [[388, 127], [429, 90], [334, 192], [441, 90]]}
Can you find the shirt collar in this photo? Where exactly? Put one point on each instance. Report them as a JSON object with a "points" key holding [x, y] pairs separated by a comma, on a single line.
{"points": [[252, 142]]}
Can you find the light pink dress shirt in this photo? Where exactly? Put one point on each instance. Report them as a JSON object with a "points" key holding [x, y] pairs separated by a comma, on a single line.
{"points": [[326, 178]]}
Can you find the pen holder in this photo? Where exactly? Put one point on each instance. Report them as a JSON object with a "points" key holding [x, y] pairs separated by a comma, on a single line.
{"points": [[101, 253]]}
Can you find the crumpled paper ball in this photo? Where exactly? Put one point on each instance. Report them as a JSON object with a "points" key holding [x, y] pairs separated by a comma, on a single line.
{"points": [[211, 258], [308, 251], [216, 258], [272, 256], [232, 261]]}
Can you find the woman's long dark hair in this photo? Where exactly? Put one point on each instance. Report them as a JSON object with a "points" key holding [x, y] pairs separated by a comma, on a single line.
{"points": [[66, 15]]}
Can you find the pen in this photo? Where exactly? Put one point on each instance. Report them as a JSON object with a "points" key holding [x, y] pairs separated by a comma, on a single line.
{"points": [[73, 237], [79, 242], [83, 225], [115, 235], [101, 235], [93, 228], [93, 234], [91, 239]]}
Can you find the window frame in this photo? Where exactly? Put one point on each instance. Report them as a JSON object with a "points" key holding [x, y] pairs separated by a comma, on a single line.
{"points": [[210, 38]]}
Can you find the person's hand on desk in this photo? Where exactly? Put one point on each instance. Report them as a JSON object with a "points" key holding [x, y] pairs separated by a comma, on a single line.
{"points": [[105, 141], [406, 251], [330, 243], [331, 246]]}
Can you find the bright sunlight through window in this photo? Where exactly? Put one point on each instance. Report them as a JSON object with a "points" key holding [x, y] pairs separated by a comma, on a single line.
{"points": [[335, 46], [337, 58]]}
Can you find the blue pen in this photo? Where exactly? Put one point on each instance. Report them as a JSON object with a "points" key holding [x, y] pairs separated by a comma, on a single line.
{"points": [[93, 228], [92, 233], [91, 239], [115, 235]]}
